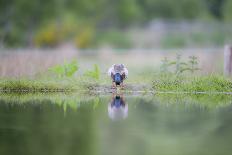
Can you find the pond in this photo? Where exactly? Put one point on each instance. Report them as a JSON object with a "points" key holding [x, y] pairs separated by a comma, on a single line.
{"points": [[116, 124]]}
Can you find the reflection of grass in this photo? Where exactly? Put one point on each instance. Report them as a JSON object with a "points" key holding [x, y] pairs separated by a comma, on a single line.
{"points": [[203, 100], [70, 100], [193, 84], [166, 101], [57, 97]]}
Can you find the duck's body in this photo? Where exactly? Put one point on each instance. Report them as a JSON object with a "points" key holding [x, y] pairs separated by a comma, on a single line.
{"points": [[118, 73]]}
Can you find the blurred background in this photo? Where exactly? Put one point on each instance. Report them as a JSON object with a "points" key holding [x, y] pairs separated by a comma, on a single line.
{"points": [[36, 34]]}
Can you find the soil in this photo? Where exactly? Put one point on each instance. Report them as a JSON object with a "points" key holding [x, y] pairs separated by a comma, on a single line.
{"points": [[128, 89]]}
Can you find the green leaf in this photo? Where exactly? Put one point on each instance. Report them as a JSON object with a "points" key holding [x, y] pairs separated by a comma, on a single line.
{"points": [[67, 69], [95, 74]]}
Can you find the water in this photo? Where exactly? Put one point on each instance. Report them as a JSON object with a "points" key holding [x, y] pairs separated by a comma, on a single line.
{"points": [[131, 125]]}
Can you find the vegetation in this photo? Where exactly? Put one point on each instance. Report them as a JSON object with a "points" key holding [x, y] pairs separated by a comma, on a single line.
{"points": [[95, 74], [175, 76], [197, 84], [178, 76], [65, 70], [208, 101], [202, 38], [180, 66], [46, 23], [62, 79], [35, 86]]}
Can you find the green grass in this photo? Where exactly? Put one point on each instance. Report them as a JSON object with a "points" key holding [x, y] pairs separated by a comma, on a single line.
{"points": [[160, 83], [211, 83], [42, 85], [33, 86]]}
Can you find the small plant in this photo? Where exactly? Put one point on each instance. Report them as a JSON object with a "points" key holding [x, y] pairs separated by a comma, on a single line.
{"points": [[65, 70], [95, 74], [164, 66], [180, 66], [193, 64]]}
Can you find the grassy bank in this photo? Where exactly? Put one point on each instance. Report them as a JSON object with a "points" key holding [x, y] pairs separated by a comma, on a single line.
{"points": [[167, 83], [211, 83], [42, 86], [75, 100]]}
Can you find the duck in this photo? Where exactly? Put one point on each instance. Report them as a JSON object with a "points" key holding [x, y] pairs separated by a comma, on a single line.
{"points": [[118, 73]]}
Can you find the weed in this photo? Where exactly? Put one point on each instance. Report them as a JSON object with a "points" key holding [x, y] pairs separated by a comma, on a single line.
{"points": [[65, 70], [95, 74], [193, 64], [180, 66], [164, 66]]}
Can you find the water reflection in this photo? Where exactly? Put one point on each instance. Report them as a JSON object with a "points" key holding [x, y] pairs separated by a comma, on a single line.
{"points": [[117, 108], [157, 125]]}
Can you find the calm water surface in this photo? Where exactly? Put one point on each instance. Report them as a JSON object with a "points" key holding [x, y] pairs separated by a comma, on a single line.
{"points": [[110, 125]]}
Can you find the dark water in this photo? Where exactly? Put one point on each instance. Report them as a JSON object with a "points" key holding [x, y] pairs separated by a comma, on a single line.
{"points": [[127, 126]]}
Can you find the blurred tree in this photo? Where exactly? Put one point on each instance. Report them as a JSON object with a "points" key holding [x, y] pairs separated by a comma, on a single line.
{"points": [[128, 11], [227, 10], [215, 8], [173, 9], [21, 19]]}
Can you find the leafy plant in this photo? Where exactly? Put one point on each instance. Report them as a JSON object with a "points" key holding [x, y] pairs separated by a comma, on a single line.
{"points": [[95, 73], [180, 66], [164, 66], [193, 64], [65, 70]]}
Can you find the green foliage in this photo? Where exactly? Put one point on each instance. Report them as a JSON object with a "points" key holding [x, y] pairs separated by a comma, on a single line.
{"points": [[129, 11], [95, 73], [84, 39], [34, 86], [215, 7], [174, 9], [19, 19], [48, 36], [173, 41], [65, 70], [23, 20], [227, 10], [180, 66], [199, 38], [115, 38], [193, 64]]}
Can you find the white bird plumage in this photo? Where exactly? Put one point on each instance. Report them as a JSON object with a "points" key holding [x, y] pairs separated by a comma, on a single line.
{"points": [[123, 70]]}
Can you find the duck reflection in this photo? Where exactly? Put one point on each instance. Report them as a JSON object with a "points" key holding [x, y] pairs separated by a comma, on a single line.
{"points": [[117, 108]]}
